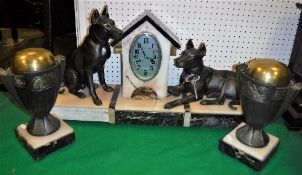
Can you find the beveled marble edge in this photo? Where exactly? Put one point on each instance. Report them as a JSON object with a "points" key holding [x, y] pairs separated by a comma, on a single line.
{"points": [[81, 114], [197, 108], [39, 141], [68, 100], [258, 153]]}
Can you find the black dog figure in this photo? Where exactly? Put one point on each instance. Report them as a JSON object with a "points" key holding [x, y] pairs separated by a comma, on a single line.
{"points": [[199, 80], [91, 56]]}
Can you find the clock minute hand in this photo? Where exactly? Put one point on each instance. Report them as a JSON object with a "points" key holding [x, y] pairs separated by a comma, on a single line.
{"points": [[144, 53]]}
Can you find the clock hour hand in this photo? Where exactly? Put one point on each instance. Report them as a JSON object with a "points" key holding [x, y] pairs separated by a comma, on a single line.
{"points": [[152, 60]]}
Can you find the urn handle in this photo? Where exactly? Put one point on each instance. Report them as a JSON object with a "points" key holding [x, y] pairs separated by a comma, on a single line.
{"points": [[62, 61], [240, 69], [292, 91], [9, 82]]}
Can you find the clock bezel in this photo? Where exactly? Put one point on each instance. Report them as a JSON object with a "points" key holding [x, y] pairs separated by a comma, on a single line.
{"points": [[130, 56]]}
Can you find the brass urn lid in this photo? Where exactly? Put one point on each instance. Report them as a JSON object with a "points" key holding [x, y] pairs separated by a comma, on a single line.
{"points": [[269, 71], [32, 60]]}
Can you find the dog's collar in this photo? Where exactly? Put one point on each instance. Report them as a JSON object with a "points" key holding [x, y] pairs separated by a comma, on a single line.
{"points": [[94, 37]]}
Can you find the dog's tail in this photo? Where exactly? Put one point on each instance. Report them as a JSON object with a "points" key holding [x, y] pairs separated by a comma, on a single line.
{"points": [[232, 103]]}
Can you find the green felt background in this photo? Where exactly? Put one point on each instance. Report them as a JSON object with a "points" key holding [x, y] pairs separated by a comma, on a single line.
{"points": [[102, 148]]}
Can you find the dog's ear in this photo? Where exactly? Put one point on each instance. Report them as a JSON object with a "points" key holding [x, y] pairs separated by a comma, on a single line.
{"points": [[105, 11], [95, 16], [189, 44], [202, 48]]}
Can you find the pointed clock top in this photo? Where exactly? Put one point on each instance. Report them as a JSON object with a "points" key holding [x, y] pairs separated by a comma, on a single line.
{"points": [[147, 15]]}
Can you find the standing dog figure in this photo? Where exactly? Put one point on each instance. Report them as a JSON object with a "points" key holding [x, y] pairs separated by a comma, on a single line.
{"points": [[90, 57], [199, 80]]}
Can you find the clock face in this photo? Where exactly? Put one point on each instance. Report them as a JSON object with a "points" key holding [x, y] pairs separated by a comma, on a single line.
{"points": [[145, 56]]}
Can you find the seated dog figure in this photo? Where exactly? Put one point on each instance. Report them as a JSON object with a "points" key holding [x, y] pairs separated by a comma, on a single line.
{"points": [[199, 80], [90, 57]]}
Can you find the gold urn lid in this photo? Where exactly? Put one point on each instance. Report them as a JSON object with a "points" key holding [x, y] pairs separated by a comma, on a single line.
{"points": [[269, 71], [32, 60]]}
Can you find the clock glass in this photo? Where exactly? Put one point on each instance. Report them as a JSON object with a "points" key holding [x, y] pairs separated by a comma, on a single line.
{"points": [[145, 56]]}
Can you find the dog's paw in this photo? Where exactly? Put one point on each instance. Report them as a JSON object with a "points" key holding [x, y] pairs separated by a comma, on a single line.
{"points": [[203, 102], [97, 101], [168, 106], [80, 95], [108, 88]]}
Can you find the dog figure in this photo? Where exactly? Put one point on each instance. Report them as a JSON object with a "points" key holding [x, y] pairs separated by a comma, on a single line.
{"points": [[199, 80], [90, 57]]}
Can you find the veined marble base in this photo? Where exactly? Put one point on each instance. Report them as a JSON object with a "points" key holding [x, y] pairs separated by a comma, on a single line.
{"points": [[253, 157], [146, 112], [118, 109], [215, 115], [41, 146], [152, 112], [70, 107]]}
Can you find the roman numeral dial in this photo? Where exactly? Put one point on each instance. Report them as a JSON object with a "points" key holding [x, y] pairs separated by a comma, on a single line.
{"points": [[145, 56]]}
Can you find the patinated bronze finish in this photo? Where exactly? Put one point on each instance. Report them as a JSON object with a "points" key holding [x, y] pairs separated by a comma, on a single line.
{"points": [[265, 93], [90, 57], [33, 80], [199, 80]]}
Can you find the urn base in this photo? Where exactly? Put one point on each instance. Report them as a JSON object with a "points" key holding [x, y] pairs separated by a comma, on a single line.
{"points": [[255, 158], [41, 146]]}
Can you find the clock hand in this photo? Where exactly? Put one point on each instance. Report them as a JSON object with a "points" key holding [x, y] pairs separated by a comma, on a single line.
{"points": [[144, 53], [152, 60]]}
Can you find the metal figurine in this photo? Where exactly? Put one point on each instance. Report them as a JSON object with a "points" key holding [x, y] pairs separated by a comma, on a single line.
{"points": [[265, 93], [200, 80], [90, 57], [33, 80]]}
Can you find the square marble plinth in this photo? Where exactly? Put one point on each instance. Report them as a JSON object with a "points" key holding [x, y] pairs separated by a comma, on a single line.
{"points": [[40, 146], [253, 157], [71, 107]]}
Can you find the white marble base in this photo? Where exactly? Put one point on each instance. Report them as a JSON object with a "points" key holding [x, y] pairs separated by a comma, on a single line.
{"points": [[36, 142], [258, 153], [70, 107]]}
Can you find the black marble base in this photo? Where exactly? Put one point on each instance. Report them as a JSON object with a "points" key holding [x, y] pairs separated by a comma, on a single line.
{"points": [[149, 118], [163, 117], [215, 120], [43, 151], [244, 158], [293, 119]]}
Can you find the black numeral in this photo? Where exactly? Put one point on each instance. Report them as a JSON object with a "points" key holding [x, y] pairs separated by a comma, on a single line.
{"points": [[152, 61], [152, 45], [145, 72], [151, 67], [139, 60], [138, 66], [136, 51], [139, 45], [146, 40]]}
